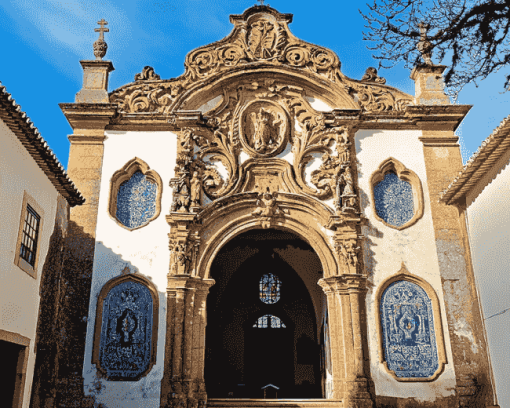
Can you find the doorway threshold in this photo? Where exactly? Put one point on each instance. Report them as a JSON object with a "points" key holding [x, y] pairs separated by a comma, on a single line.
{"points": [[256, 403]]}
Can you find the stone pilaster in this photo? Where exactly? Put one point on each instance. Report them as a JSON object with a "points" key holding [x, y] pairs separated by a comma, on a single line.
{"points": [[429, 85], [183, 382], [443, 162], [346, 311], [95, 82]]}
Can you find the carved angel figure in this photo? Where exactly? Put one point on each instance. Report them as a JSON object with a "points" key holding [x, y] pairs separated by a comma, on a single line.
{"points": [[196, 189], [352, 253], [261, 39], [266, 132], [267, 206]]}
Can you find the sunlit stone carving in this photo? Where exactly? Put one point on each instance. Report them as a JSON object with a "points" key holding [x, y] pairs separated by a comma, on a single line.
{"points": [[409, 340]]}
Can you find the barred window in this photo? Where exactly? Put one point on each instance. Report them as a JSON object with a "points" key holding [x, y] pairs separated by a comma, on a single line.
{"points": [[269, 321], [28, 247]]}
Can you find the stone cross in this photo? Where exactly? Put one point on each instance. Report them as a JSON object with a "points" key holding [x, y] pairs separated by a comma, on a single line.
{"points": [[102, 29], [424, 45], [261, 2]]}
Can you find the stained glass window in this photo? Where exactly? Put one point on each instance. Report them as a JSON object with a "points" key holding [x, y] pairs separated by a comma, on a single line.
{"points": [[136, 201], [269, 289], [126, 331], [269, 321], [409, 339], [394, 200]]}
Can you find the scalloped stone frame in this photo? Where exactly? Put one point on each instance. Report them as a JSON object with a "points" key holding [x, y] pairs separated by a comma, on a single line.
{"points": [[403, 173], [99, 321], [404, 274], [124, 174]]}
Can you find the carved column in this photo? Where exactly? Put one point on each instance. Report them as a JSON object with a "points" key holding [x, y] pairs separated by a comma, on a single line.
{"points": [[346, 311], [183, 383]]}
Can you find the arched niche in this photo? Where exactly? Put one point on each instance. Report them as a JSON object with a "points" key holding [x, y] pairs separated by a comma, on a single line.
{"points": [[124, 175], [386, 168], [413, 331], [240, 352], [126, 328]]}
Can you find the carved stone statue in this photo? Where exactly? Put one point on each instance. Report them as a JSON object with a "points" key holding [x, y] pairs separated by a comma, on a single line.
{"points": [[196, 190], [266, 135], [348, 194], [267, 208]]}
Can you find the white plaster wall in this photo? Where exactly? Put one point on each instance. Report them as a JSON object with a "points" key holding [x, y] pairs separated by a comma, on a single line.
{"points": [[144, 250], [489, 234], [19, 292], [386, 248]]}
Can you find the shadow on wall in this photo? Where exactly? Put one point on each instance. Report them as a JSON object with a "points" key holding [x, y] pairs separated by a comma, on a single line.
{"points": [[61, 326], [65, 290], [145, 391]]}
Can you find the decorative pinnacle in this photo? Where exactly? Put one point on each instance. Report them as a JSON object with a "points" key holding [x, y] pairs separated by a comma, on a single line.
{"points": [[424, 45], [100, 45], [261, 2]]}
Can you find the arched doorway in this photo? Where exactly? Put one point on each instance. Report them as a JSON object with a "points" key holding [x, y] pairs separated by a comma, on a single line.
{"points": [[264, 318]]}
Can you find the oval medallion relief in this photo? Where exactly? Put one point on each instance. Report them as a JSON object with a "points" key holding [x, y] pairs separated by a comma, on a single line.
{"points": [[264, 129]]}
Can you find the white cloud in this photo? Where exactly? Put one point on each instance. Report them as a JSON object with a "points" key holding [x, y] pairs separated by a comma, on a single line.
{"points": [[70, 24]]}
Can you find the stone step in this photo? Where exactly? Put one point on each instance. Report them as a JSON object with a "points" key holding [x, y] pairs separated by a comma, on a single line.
{"points": [[274, 403]]}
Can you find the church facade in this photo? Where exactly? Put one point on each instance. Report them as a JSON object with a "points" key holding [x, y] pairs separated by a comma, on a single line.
{"points": [[265, 230]]}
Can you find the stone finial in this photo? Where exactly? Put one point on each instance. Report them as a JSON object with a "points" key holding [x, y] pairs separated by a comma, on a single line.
{"points": [[371, 76], [424, 45], [100, 45]]}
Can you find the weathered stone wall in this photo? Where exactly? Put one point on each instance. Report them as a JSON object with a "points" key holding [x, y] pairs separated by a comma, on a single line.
{"points": [[142, 251], [385, 250]]}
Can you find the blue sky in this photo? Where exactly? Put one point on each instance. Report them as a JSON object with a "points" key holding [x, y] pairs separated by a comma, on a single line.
{"points": [[44, 40]]}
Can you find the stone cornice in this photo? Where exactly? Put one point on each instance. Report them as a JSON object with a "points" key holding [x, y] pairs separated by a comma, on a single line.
{"points": [[492, 150], [21, 125], [437, 117], [94, 116]]}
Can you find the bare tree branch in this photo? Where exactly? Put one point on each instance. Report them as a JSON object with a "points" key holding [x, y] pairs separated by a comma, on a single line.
{"points": [[470, 36]]}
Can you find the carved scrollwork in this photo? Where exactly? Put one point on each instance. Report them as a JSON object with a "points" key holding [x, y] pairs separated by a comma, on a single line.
{"points": [[371, 76], [260, 38], [147, 74], [149, 97], [375, 99]]}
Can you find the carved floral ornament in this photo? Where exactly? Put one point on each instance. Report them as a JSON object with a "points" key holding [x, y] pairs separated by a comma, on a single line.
{"points": [[260, 39], [256, 118]]}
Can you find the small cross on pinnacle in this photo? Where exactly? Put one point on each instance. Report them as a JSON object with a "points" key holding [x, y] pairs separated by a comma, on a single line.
{"points": [[102, 29], [261, 2], [100, 45]]}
